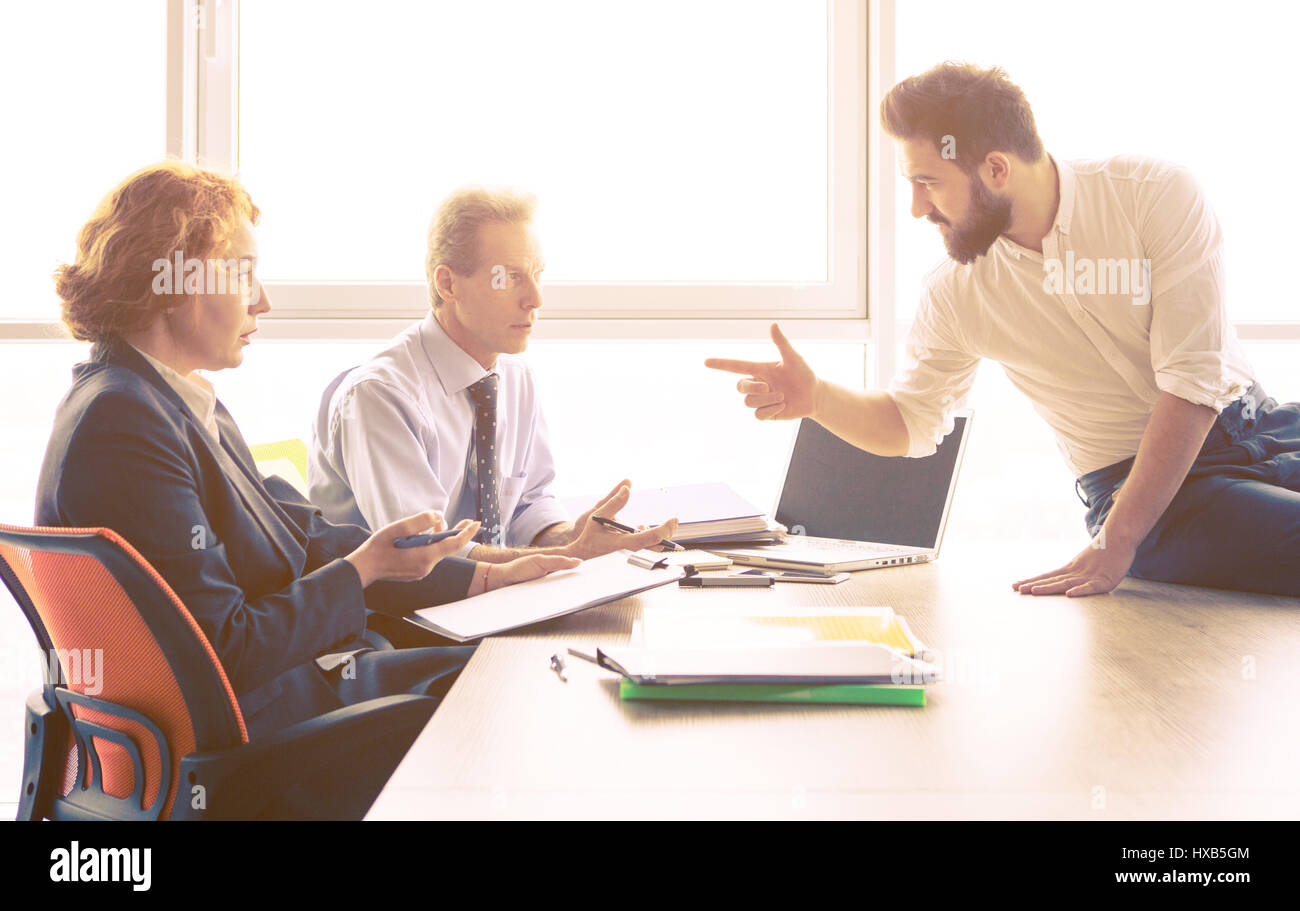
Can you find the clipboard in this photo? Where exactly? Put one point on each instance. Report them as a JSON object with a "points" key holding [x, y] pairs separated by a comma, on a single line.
{"points": [[594, 582], [694, 561], [648, 559]]}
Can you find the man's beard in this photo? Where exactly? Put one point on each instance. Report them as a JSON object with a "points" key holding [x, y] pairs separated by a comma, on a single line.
{"points": [[989, 216]]}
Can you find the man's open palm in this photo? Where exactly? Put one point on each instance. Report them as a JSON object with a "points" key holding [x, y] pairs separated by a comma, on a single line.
{"points": [[776, 390]]}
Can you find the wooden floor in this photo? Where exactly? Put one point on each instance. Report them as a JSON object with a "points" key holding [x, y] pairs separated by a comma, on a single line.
{"points": [[1153, 702]]}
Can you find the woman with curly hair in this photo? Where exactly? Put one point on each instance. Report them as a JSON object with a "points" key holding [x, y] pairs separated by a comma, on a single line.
{"points": [[165, 285]]}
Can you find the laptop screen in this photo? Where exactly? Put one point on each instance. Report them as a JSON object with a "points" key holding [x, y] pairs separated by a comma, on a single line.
{"points": [[835, 490]]}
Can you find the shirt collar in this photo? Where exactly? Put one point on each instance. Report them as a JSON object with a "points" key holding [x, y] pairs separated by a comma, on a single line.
{"points": [[196, 393], [1065, 209], [453, 366], [1064, 212]]}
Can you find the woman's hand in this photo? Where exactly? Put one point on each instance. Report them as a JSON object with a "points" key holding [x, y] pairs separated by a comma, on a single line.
{"points": [[379, 560], [534, 566]]}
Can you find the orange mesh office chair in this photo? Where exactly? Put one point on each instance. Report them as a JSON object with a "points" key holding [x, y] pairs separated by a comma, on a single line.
{"points": [[161, 736]]}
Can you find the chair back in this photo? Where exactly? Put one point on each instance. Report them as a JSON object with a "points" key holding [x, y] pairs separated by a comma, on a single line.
{"points": [[127, 665]]}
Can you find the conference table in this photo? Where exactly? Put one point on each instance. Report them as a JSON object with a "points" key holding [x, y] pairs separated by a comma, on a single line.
{"points": [[1155, 701]]}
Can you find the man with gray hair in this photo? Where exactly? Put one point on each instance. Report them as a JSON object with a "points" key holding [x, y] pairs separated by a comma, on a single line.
{"points": [[447, 417]]}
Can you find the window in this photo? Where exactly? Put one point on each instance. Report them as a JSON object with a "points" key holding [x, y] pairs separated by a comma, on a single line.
{"points": [[700, 432], [1195, 83], [84, 106], [690, 158]]}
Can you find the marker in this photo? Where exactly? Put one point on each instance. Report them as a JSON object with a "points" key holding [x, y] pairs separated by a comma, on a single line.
{"points": [[788, 575], [425, 540], [727, 582], [619, 526]]}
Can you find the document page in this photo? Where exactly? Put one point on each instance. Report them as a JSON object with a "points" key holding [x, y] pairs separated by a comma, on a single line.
{"points": [[594, 582]]}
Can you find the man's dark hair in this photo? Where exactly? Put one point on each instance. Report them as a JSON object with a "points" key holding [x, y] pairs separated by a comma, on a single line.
{"points": [[981, 109]]}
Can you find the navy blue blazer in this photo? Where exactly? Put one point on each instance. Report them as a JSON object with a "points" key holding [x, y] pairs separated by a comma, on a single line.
{"points": [[254, 562]]}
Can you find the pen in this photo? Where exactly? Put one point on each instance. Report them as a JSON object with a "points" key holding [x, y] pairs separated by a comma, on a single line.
{"points": [[423, 540], [584, 656], [557, 665], [619, 526]]}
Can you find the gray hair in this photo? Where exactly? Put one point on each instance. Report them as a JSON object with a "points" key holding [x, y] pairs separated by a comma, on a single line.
{"points": [[453, 232]]}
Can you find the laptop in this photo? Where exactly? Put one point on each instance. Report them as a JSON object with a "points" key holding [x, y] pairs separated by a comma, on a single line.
{"points": [[847, 509]]}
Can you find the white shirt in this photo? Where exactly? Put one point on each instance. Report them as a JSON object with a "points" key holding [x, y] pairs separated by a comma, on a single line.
{"points": [[397, 438], [196, 393], [1092, 351]]}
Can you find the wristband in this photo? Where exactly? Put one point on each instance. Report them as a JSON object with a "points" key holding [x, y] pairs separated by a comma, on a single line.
{"points": [[487, 572]]}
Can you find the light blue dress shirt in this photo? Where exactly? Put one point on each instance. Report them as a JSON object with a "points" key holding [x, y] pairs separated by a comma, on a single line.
{"points": [[396, 437]]}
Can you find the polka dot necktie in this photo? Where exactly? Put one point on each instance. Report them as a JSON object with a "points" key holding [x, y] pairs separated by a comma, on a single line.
{"points": [[484, 394]]}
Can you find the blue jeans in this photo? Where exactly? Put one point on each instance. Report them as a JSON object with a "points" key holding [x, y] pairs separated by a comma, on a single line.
{"points": [[1235, 522]]}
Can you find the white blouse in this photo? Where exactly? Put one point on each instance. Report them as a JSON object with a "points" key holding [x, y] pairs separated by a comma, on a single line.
{"points": [[194, 390]]}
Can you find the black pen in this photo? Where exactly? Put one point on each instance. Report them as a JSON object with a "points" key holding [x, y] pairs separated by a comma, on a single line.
{"points": [[425, 540], [619, 526], [584, 656]]}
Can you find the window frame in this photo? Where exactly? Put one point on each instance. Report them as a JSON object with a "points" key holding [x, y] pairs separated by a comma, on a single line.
{"points": [[203, 89], [842, 296]]}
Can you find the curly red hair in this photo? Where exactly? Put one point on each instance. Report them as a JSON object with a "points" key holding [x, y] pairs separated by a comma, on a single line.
{"points": [[159, 210]]}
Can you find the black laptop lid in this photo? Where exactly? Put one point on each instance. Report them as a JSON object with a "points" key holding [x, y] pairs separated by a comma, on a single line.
{"points": [[835, 490]]}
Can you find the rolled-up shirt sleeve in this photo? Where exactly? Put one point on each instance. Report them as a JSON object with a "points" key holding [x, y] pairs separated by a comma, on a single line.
{"points": [[538, 510], [937, 375], [1194, 351]]}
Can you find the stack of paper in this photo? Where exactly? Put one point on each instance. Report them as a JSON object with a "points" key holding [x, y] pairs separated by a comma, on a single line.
{"points": [[822, 663], [704, 513], [676, 626], [843, 655]]}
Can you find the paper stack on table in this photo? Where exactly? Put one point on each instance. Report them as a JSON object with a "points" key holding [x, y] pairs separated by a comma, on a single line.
{"points": [[668, 626], [704, 512], [865, 655]]}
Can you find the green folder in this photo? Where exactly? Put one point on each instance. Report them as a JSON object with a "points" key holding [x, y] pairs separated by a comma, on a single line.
{"points": [[858, 693]]}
